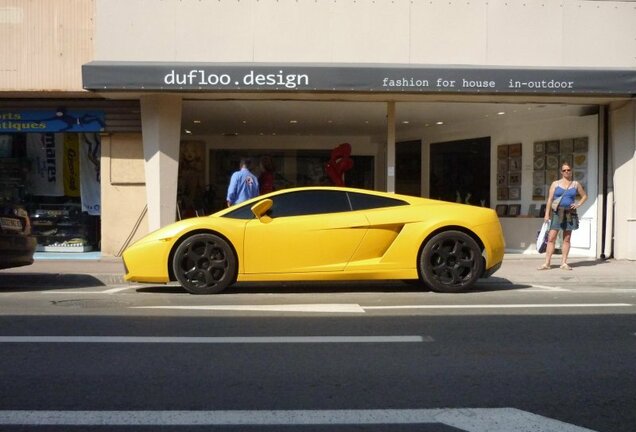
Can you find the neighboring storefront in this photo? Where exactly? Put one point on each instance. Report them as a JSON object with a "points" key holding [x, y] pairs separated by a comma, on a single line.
{"points": [[50, 163]]}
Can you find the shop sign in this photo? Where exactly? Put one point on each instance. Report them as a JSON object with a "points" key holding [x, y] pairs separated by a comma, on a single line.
{"points": [[51, 121], [197, 77]]}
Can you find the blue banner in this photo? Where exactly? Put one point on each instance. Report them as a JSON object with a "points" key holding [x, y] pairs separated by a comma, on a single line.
{"points": [[51, 121]]}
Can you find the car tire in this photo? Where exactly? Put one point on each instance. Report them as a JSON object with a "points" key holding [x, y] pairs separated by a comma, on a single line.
{"points": [[204, 264], [450, 262]]}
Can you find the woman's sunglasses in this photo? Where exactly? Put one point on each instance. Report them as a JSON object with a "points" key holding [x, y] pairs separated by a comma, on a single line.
{"points": [[566, 170]]}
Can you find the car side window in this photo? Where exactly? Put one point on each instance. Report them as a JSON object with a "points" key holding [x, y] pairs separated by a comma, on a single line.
{"points": [[244, 212], [309, 202], [361, 201]]}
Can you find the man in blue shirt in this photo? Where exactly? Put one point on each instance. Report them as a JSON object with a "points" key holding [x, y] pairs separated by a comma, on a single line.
{"points": [[243, 184]]}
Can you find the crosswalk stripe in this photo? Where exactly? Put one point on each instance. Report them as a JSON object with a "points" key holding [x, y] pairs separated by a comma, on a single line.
{"points": [[216, 340], [465, 419]]}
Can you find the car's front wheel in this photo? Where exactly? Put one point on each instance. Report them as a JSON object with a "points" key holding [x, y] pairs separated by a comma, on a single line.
{"points": [[450, 262], [204, 264]]}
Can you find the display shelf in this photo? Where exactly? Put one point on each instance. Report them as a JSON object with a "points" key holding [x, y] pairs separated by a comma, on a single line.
{"points": [[59, 228]]}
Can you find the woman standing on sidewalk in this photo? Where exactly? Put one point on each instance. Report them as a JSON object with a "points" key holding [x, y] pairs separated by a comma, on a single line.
{"points": [[563, 194]]}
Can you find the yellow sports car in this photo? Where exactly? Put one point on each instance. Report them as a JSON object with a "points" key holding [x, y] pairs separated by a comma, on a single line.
{"points": [[320, 234]]}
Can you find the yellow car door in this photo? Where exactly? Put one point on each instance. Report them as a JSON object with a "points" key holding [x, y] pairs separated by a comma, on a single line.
{"points": [[306, 231]]}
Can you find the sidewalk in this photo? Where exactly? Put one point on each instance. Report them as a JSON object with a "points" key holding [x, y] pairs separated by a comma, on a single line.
{"points": [[516, 268]]}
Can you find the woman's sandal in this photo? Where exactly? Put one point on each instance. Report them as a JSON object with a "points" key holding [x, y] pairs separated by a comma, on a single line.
{"points": [[543, 267], [565, 267]]}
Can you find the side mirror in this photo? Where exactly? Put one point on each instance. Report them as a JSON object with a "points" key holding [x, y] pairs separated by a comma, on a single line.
{"points": [[261, 208]]}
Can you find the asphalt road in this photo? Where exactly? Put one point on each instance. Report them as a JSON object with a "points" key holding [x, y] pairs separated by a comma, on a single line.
{"points": [[338, 357]]}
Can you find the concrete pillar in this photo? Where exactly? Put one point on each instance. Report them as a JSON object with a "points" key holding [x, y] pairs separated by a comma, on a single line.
{"points": [[623, 161], [161, 128], [390, 147]]}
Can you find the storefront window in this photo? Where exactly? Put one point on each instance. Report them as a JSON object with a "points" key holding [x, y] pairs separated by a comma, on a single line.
{"points": [[56, 177]]}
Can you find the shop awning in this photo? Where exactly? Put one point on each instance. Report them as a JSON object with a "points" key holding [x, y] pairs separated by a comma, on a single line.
{"points": [[367, 78]]}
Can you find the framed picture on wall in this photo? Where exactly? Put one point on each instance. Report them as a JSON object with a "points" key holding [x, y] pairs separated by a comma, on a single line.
{"points": [[552, 147], [514, 193], [502, 193], [514, 210], [580, 145], [580, 160], [566, 146], [538, 178], [539, 148], [538, 192], [552, 162], [502, 179], [514, 164], [502, 151], [502, 166], [501, 209], [514, 179], [514, 150], [539, 162]]}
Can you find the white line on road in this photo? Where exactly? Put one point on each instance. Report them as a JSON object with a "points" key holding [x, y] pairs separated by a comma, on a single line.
{"points": [[216, 340], [502, 306], [544, 288], [356, 308], [108, 291], [466, 419], [322, 308]]}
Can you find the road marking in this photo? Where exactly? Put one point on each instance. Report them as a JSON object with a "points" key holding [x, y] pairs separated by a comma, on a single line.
{"points": [[629, 290], [108, 291], [216, 340], [319, 308], [466, 419], [502, 306], [356, 308], [543, 288]]}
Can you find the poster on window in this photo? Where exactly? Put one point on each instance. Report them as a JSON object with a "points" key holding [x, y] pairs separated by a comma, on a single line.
{"points": [[45, 150], [71, 165], [90, 151]]}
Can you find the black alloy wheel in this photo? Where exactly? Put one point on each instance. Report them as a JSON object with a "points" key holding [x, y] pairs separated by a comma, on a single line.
{"points": [[450, 262], [204, 264]]}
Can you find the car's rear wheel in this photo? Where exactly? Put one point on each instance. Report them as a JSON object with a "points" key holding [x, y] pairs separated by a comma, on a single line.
{"points": [[204, 264], [450, 262]]}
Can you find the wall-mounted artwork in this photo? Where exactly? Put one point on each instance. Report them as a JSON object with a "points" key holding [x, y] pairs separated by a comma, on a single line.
{"points": [[501, 209], [514, 210], [580, 145], [552, 147], [509, 171], [538, 193], [514, 193], [547, 159]]}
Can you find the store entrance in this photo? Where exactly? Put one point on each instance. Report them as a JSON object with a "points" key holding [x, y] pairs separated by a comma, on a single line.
{"points": [[460, 171], [408, 167]]}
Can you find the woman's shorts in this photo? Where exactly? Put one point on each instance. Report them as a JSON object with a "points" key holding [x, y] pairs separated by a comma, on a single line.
{"points": [[568, 224]]}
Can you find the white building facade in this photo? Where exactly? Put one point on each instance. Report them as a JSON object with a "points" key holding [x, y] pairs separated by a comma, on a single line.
{"points": [[470, 101]]}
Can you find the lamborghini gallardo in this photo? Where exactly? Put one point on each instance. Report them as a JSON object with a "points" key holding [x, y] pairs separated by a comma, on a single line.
{"points": [[322, 234]]}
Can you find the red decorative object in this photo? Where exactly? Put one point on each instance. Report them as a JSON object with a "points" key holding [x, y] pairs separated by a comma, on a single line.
{"points": [[339, 163]]}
